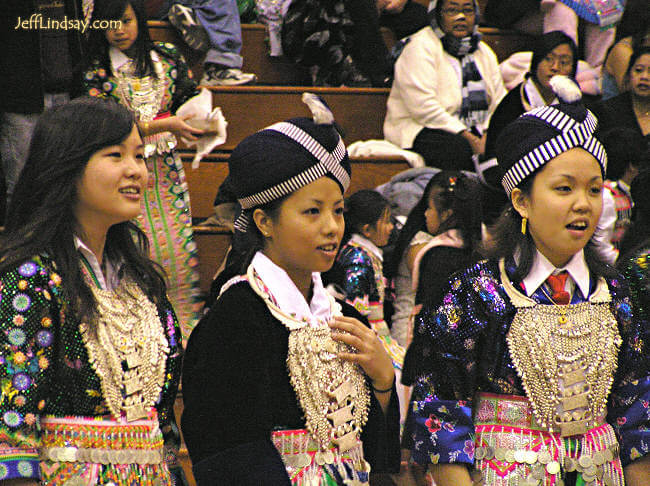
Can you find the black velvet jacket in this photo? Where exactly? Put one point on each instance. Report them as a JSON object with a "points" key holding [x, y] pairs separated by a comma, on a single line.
{"points": [[236, 391]]}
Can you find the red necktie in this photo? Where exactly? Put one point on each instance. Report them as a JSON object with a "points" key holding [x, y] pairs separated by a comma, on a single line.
{"points": [[557, 283]]}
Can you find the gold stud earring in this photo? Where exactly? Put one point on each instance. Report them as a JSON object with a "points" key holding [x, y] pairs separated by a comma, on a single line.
{"points": [[524, 222]]}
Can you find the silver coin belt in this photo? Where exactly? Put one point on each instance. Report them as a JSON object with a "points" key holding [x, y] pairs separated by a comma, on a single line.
{"points": [[101, 440], [306, 463], [101, 456], [541, 459]]}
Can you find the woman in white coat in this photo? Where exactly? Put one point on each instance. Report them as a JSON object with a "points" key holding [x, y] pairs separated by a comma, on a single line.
{"points": [[447, 84]]}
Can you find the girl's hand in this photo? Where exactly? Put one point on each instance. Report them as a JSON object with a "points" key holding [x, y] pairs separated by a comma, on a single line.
{"points": [[178, 126], [477, 144], [370, 353]]}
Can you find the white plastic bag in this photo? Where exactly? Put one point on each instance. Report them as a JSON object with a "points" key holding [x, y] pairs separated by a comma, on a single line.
{"points": [[205, 118]]}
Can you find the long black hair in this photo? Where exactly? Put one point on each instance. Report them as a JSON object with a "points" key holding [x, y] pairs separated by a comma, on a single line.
{"points": [[41, 217], [507, 240], [634, 23], [458, 193], [98, 45], [636, 54], [361, 208]]}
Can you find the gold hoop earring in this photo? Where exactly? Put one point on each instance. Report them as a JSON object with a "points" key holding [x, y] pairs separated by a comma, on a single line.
{"points": [[524, 222]]}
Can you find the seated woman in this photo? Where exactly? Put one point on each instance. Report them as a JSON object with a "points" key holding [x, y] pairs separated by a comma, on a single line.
{"points": [[532, 368], [630, 109], [447, 85], [281, 383], [554, 53], [91, 348], [632, 32]]}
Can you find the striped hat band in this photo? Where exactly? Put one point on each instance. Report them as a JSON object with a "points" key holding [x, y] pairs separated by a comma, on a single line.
{"points": [[328, 163], [573, 134]]}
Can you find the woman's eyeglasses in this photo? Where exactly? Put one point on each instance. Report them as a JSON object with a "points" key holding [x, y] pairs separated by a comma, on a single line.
{"points": [[563, 61], [454, 11]]}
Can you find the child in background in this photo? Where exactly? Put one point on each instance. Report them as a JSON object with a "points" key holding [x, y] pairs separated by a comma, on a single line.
{"points": [[358, 270], [437, 239], [153, 81]]}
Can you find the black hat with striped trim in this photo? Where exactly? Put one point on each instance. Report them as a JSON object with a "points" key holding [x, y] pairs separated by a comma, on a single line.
{"points": [[540, 135], [287, 156]]}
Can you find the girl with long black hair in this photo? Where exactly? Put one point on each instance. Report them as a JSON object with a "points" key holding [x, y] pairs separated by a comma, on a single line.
{"points": [[91, 348]]}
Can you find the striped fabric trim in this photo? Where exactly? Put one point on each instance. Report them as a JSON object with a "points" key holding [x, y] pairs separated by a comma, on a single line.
{"points": [[331, 160], [328, 162], [573, 135]]}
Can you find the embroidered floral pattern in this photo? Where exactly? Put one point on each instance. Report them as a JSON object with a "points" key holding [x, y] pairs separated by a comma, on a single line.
{"points": [[466, 337], [33, 319]]}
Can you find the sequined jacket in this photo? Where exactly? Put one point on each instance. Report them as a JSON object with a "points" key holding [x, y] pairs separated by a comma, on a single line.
{"points": [[460, 349], [637, 273], [362, 280], [44, 366]]}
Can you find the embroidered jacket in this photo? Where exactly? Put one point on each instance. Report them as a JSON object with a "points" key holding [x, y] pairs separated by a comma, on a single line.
{"points": [[44, 366], [179, 85], [460, 348], [363, 281], [360, 274]]}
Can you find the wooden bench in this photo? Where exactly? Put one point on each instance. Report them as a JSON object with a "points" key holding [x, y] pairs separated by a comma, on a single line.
{"points": [[281, 71], [212, 244], [360, 112]]}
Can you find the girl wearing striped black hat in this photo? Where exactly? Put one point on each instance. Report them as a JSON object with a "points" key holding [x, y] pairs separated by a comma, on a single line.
{"points": [[533, 370], [283, 384]]}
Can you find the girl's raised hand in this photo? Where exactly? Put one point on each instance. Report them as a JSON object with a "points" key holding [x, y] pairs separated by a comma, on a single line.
{"points": [[370, 353], [179, 127]]}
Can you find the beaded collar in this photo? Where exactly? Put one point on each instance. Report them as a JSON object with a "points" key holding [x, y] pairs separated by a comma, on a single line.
{"points": [[332, 392], [566, 356]]}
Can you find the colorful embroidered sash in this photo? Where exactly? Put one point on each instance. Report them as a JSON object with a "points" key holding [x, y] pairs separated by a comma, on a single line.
{"points": [[85, 451], [510, 448]]}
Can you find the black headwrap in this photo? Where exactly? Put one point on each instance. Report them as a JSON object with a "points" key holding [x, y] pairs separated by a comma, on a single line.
{"points": [[540, 135], [284, 157]]}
